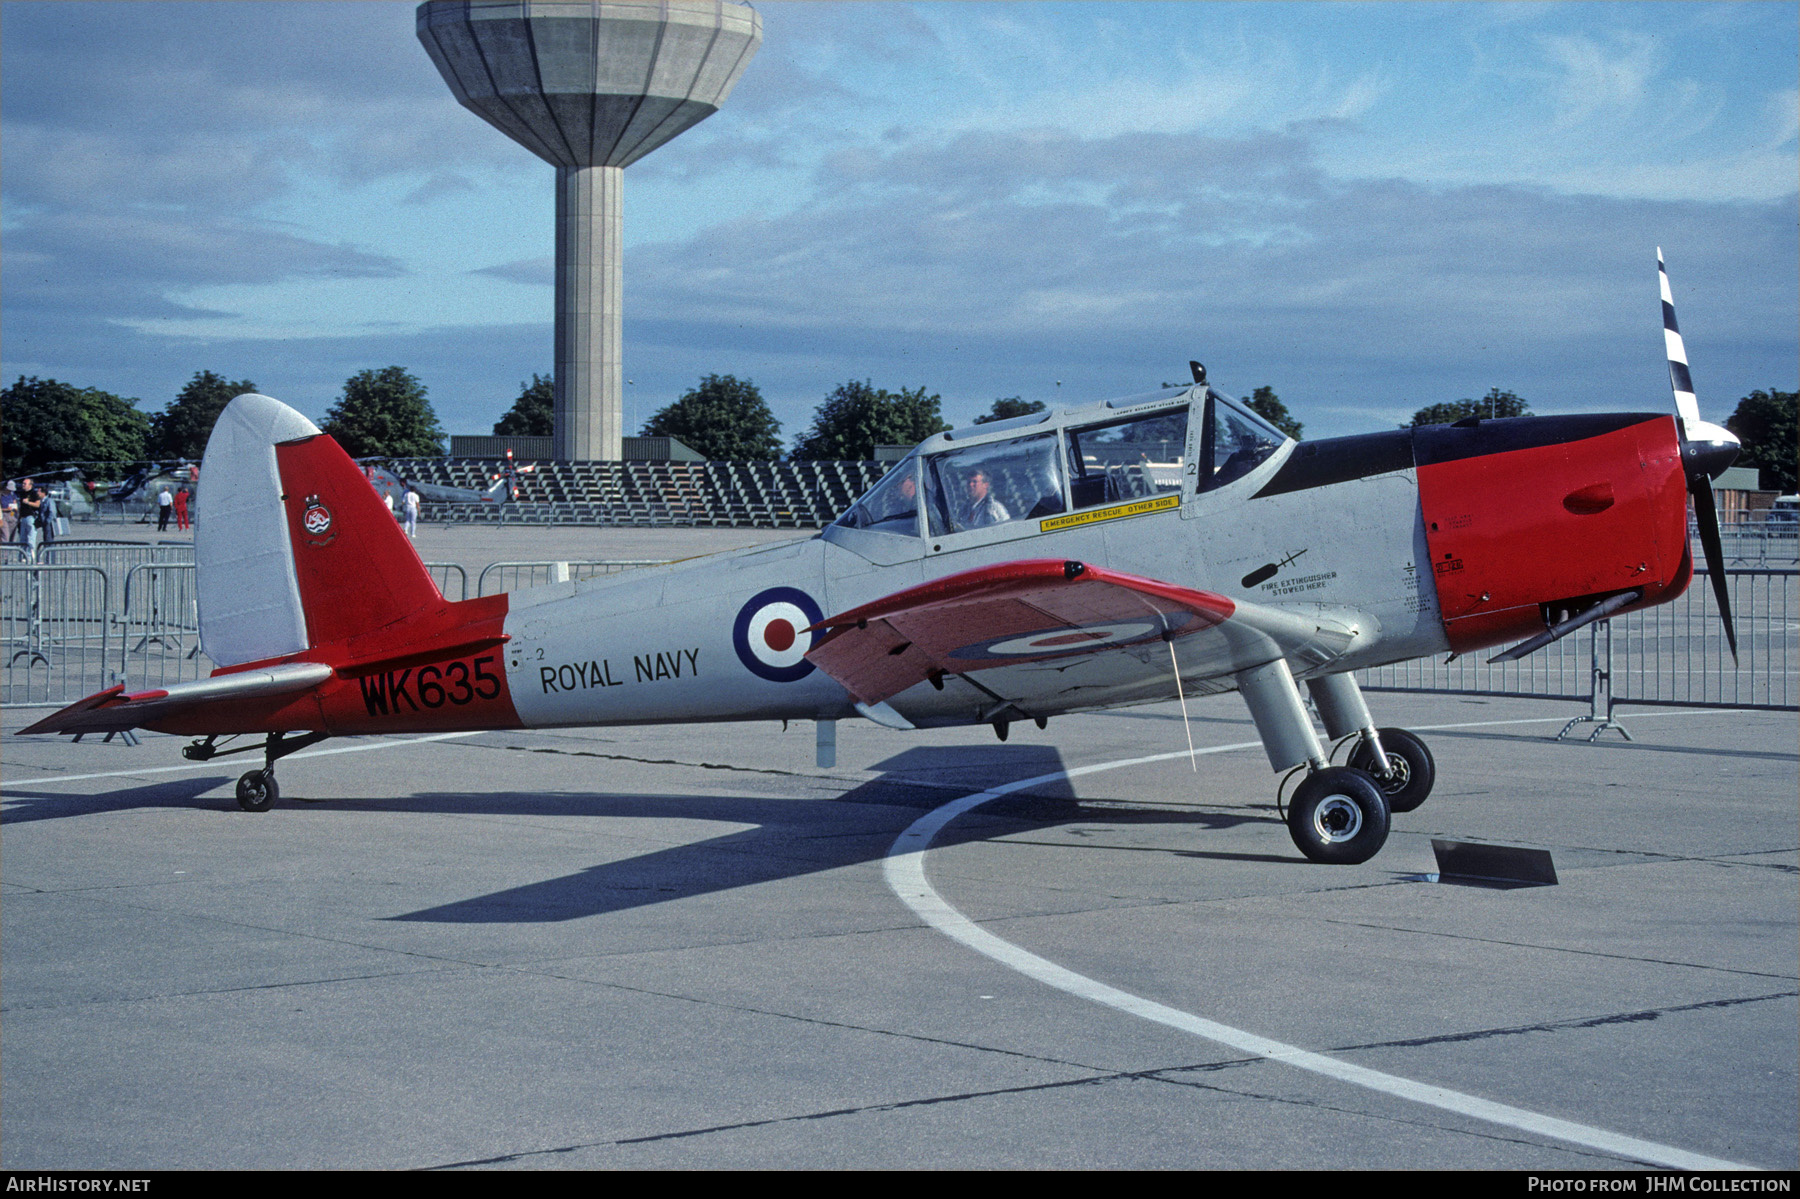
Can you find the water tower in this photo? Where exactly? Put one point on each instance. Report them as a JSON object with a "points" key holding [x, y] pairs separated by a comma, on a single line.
{"points": [[591, 86]]}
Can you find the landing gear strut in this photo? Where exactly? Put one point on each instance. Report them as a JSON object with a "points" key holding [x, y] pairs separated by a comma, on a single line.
{"points": [[256, 789], [1339, 814]]}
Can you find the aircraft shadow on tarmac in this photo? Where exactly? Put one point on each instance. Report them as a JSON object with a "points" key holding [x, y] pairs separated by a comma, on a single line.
{"points": [[24, 804], [790, 837], [798, 837]]}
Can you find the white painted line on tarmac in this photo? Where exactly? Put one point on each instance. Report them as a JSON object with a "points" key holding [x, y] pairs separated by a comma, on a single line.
{"points": [[905, 871], [364, 747]]}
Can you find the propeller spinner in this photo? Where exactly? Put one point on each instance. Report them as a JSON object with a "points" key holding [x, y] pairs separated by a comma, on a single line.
{"points": [[1706, 450]]}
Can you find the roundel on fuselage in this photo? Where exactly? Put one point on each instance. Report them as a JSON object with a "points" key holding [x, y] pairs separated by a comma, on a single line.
{"points": [[770, 634]]}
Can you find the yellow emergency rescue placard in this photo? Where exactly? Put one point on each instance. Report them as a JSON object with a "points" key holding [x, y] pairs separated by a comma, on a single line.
{"points": [[1161, 503]]}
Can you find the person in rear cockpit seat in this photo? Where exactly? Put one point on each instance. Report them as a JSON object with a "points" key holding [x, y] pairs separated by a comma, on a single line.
{"points": [[982, 509]]}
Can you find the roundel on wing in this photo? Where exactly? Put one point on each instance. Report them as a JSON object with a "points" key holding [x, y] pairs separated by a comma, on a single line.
{"points": [[1051, 643], [770, 634]]}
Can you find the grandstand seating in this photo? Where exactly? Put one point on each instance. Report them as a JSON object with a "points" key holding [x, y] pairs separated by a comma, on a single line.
{"points": [[779, 495]]}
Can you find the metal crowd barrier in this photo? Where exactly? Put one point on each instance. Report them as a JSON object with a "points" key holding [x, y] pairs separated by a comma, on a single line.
{"points": [[1676, 654], [116, 558], [451, 579], [1671, 655], [158, 639], [1757, 542], [1558, 671], [54, 627], [512, 576]]}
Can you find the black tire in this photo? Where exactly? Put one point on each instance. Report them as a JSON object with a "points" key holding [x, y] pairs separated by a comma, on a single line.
{"points": [[1338, 816], [257, 792], [1414, 771]]}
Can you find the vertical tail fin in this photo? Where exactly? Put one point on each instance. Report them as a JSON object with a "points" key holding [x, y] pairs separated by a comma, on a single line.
{"points": [[294, 548]]}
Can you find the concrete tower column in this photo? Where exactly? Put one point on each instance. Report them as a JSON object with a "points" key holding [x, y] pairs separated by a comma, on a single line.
{"points": [[590, 86], [590, 286]]}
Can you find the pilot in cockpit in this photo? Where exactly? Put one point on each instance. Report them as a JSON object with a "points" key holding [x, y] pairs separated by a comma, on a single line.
{"points": [[981, 509], [905, 503]]}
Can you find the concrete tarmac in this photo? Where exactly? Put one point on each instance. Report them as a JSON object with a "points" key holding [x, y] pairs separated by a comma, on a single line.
{"points": [[677, 947]]}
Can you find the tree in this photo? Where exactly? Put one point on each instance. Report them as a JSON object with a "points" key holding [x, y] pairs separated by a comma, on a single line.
{"points": [[46, 421], [181, 429], [1494, 403], [855, 418], [533, 414], [385, 412], [725, 419], [1008, 408], [1764, 422], [1266, 404]]}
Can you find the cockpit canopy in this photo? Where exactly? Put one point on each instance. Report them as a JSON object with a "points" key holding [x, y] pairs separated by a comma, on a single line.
{"points": [[1119, 452]]}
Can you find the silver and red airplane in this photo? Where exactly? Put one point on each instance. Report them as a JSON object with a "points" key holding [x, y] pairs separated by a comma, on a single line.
{"points": [[1126, 552]]}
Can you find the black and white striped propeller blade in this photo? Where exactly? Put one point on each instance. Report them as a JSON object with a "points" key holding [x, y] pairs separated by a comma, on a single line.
{"points": [[1706, 450]]}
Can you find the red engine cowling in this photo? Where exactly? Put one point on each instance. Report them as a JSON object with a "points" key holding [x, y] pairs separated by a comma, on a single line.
{"points": [[1539, 515]]}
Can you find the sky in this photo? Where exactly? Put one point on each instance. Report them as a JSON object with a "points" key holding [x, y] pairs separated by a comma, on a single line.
{"points": [[1367, 207]]}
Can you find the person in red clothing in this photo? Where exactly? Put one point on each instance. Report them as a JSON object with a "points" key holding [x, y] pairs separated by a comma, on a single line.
{"points": [[181, 510]]}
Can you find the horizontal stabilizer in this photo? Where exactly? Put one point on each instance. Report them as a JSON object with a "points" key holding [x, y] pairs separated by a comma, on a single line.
{"points": [[113, 711]]}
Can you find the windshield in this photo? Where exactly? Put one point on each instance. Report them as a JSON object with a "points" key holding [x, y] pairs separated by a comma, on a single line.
{"points": [[892, 505], [1240, 441]]}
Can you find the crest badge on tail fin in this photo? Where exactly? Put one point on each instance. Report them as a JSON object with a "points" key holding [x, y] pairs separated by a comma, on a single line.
{"points": [[316, 520]]}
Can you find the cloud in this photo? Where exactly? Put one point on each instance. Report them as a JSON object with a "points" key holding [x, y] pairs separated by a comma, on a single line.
{"points": [[440, 185], [1239, 244], [191, 104], [956, 198], [122, 265], [1782, 117], [1003, 261], [1596, 77], [533, 272]]}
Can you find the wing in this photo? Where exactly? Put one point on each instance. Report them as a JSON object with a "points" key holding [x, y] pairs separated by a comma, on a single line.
{"points": [[1040, 631], [111, 710]]}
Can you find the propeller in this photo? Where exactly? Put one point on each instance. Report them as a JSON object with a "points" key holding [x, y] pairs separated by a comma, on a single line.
{"points": [[1706, 450]]}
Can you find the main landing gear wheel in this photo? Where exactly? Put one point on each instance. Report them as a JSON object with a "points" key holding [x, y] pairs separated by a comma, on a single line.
{"points": [[257, 792], [1338, 816], [1413, 774]]}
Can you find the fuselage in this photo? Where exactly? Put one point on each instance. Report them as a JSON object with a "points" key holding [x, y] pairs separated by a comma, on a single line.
{"points": [[1444, 537]]}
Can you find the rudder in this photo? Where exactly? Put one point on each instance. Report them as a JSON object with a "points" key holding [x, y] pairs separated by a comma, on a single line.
{"points": [[294, 548], [357, 571]]}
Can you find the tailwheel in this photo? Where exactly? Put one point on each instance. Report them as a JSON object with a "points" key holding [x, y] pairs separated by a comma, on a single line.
{"points": [[1413, 771], [1338, 816], [257, 792]]}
